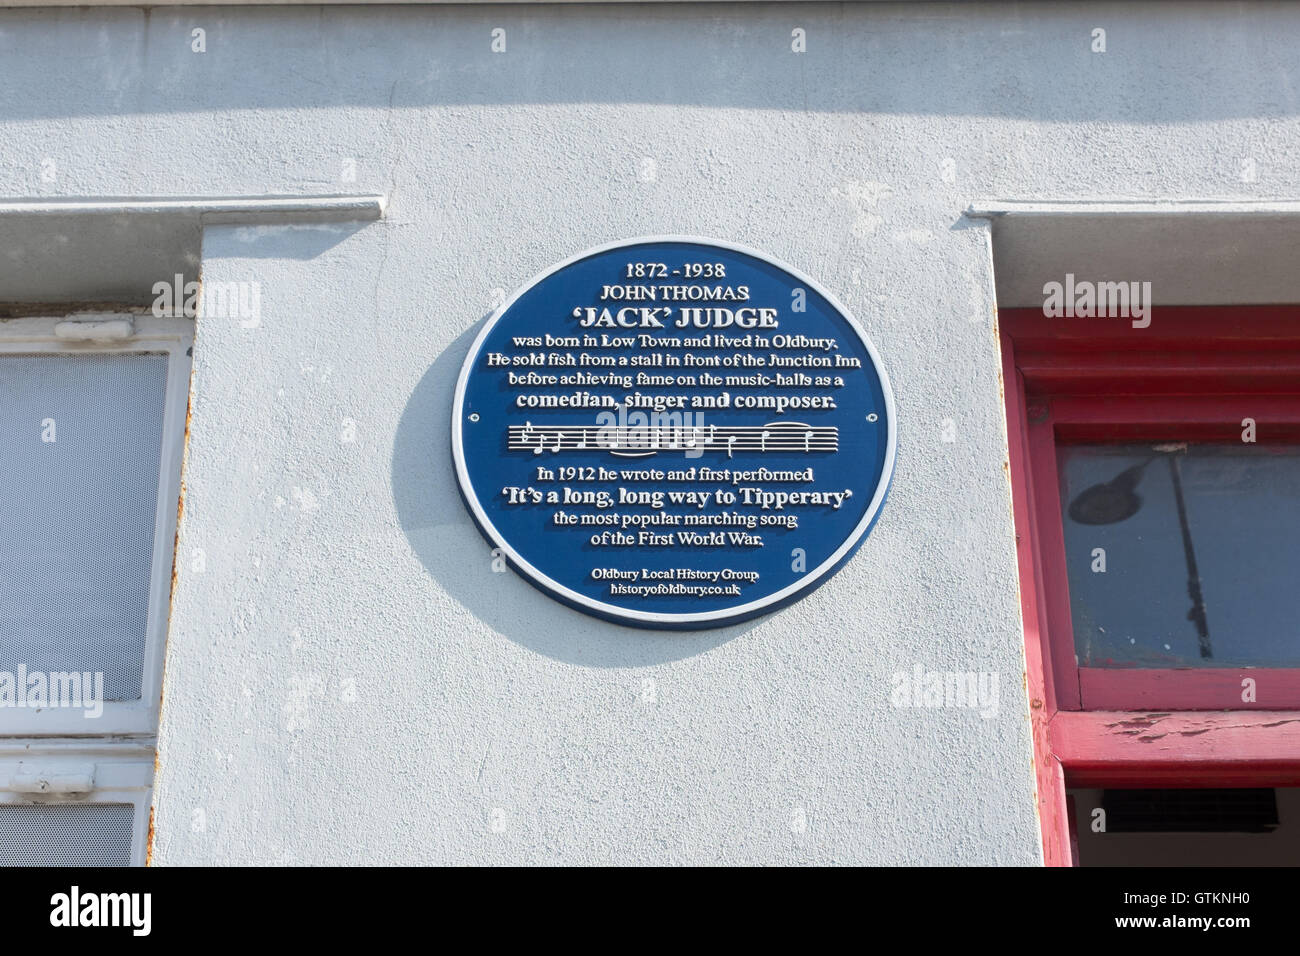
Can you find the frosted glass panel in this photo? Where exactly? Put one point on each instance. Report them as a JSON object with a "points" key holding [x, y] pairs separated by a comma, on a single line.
{"points": [[80, 439]]}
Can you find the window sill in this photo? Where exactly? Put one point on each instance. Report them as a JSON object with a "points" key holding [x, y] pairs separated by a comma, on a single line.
{"points": [[1258, 748]]}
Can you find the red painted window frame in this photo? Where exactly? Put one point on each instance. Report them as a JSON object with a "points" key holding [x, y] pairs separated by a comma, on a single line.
{"points": [[1193, 374]]}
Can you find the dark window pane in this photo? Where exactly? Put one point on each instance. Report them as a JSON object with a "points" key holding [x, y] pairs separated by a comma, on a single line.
{"points": [[1239, 528]]}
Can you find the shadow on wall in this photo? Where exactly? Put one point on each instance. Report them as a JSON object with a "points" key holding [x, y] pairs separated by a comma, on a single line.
{"points": [[449, 545], [1035, 61]]}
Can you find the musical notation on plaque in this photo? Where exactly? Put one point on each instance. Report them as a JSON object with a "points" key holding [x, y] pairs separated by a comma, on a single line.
{"points": [[638, 440]]}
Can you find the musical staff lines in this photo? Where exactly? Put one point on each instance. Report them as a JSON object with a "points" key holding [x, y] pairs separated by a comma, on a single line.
{"points": [[640, 440]]}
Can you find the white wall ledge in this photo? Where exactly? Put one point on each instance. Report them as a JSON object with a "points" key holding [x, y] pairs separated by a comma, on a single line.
{"points": [[110, 250], [1192, 252], [998, 209], [214, 210]]}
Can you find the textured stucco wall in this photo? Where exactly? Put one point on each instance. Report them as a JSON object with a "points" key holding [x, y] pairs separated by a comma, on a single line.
{"points": [[347, 678]]}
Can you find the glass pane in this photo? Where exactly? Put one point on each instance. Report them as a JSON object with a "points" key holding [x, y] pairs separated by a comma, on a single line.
{"points": [[1212, 583], [85, 835], [80, 438]]}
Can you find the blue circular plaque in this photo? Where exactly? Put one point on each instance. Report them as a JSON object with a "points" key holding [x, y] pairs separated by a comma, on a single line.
{"points": [[673, 432]]}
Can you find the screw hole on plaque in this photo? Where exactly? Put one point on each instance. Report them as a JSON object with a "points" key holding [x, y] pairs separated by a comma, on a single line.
{"points": [[474, 417], [873, 417]]}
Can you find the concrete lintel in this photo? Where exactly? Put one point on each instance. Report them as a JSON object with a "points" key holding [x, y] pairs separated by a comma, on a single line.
{"points": [[224, 210], [999, 209], [1192, 252], [113, 250]]}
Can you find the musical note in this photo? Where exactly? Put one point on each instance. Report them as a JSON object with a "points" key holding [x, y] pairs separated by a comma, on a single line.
{"points": [[559, 440], [528, 434], [763, 440], [807, 439], [731, 441]]}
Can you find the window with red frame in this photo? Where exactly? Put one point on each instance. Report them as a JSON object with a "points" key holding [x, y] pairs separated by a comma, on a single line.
{"points": [[1165, 471], [1156, 484]]}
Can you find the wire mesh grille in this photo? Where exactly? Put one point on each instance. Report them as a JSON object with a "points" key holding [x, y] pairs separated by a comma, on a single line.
{"points": [[1190, 811], [82, 835], [80, 439]]}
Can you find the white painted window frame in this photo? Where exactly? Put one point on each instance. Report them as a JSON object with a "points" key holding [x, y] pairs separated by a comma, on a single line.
{"points": [[121, 771], [175, 338]]}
